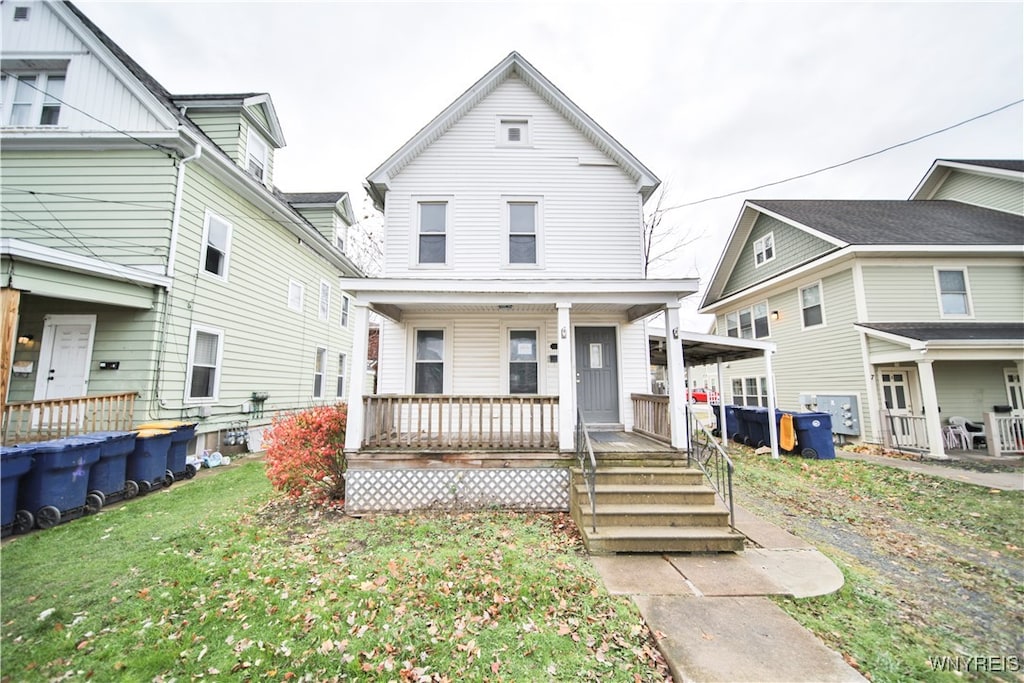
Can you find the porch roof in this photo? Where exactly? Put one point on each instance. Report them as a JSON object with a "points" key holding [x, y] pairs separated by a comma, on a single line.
{"points": [[396, 297], [705, 349], [921, 336]]}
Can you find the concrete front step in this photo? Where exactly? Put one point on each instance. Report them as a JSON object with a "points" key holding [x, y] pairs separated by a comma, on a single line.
{"points": [[648, 494], [630, 539], [623, 515], [648, 475]]}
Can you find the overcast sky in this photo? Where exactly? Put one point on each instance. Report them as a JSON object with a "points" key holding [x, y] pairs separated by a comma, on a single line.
{"points": [[712, 97]]}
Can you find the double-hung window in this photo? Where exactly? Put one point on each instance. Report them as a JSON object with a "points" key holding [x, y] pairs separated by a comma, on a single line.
{"points": [[522, 362], [522, 232], [432, 228], [345, 303], [812, 309], [342, 362], [953, 294], [319, 361], [205, 350], [750, 391], [748, 323], [295, 294], [216, 245], [256, 152], [429, 369], [764, 249], [325, 300], [32, 99]]}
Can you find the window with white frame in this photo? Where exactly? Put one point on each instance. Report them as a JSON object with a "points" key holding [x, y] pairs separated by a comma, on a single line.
{"points": [[1014, 390], [748, 323], [345, 303], [296, 292], [764, 249], [432, 229], [429, 368], [31, 99], [953, 294], [256, 154], [325, 300], [523, 222], [340, 232], [750, 391], [513, 131], [216, 245], [205, 350], [523, 362], [342, 363], [812, 308], [319, 364]]}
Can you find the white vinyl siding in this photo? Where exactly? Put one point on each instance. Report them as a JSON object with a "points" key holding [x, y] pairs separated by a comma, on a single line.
{"points": [[592, 219], [205, 352]]}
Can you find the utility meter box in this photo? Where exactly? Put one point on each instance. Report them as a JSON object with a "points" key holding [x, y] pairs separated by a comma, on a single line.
{"points": [[844, 410]]}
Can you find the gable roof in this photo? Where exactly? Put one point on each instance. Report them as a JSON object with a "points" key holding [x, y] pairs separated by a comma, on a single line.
{"points": [[922, 335], [241, 102], [514, 64], [941, 168], [339, 201]]}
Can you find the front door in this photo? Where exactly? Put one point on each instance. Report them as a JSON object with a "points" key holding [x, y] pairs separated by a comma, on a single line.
{"points": [[898, 405], [64, 355], [597, 374]]}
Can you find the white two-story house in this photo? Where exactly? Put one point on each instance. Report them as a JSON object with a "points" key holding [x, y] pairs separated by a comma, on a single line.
{"points": [[513, 297]]}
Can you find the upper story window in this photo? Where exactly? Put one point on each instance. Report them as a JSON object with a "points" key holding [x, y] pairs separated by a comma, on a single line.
{"points": [[216, 246], [31, 99], [523, 220], [340, 233], [325, 300], [433, 229], [295, 294], [954, 295], [748, 323], [513, 132], [764, 249], [812, 307], [256, 153], [345, 303]]}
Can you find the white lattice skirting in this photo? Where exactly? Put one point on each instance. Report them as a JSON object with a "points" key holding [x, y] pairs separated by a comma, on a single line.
{"points": [[413, 489]]}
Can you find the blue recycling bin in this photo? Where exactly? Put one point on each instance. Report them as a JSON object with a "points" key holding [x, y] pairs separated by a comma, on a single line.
{"points": [[147, 463], [55, 489], [15, 462], [756, 427], [108, 477], [731, 421], [814, 435], [182, 433], [740, 434]]}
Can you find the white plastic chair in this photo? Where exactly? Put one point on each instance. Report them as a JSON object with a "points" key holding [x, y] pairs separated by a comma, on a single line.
{"points": [[972, 430]]}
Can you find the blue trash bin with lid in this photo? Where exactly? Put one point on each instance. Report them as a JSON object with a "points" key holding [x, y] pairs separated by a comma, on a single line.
{"points": [[147, 463], [731, 421], [108, 477], [756, 424], [814, 435], [55, 489], [739, 434], [177, 456], [15, 462]]}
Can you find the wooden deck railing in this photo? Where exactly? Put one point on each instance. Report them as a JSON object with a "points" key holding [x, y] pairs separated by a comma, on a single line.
{"points": [[1004, 434], [461, 422], [651, 416], [904, 432], [28, 421]]}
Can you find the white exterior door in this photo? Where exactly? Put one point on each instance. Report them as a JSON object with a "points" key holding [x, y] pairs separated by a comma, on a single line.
{"points": [[64, 357], [897, 404]]}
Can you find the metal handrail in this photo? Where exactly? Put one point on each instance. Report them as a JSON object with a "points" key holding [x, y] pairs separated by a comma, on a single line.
{"points": [[585, 456], [711, 459]]}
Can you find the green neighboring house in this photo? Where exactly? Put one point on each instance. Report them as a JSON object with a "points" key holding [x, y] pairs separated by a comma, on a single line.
{"points": [[147, 256], [893, 316]]}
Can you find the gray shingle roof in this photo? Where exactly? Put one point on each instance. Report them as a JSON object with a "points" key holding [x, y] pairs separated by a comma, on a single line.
{"points": [[1004, 164], [901, 222], [312, 197], [952, 331]]}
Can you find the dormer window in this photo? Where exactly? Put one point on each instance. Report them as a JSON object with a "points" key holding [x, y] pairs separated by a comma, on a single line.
{"points": [[256, 156], [32, 99], [764, 249], [513, 132]]}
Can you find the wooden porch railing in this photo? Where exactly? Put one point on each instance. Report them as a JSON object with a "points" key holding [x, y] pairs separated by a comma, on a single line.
{"points": [[28, 421], [1004, 434], [461, 422], [904, 432], [651, 417]]}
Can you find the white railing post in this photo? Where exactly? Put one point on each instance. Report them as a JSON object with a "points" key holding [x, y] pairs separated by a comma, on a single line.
{"points": [[360, 343]]}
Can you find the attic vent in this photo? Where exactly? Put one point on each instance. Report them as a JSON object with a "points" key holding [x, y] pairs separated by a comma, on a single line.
{"points": [[513, 131], [21, 13], [515, 134]]}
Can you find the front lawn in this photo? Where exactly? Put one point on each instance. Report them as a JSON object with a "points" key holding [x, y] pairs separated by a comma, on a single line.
{"points": [[221, 576]]}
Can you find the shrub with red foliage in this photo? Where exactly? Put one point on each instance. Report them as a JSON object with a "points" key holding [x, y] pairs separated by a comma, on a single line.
{"points": [[305, 453]]}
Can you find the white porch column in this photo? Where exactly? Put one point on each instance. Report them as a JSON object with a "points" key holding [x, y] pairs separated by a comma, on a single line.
{"points": [[566, 381], [722, 428], [676, 381], [932, 421], [360, 342], [773, 428]]}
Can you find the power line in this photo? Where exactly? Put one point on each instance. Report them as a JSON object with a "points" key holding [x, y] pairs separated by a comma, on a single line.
{"points": [[842, 163]]}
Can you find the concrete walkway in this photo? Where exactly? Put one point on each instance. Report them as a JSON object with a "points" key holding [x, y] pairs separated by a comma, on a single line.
{"points": [[1004, 481], [710, 615]]}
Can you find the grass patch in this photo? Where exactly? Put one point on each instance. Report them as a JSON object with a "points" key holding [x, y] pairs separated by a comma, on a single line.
{"points": [[933, 567], [222, 577]]}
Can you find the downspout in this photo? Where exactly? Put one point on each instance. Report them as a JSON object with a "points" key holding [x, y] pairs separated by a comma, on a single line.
{"points": [[176, 215]]}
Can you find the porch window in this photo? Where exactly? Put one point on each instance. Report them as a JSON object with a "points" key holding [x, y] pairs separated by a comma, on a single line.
{"points": [[342, 362], [429, 362], [811, 305], [216, 245], [750, 391], [319, 361], [522, 233], [257, 153], [522, 365], [764, 249], [748, 323], [433, 227], [32, 99], [953, 293], [204, 360]]}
